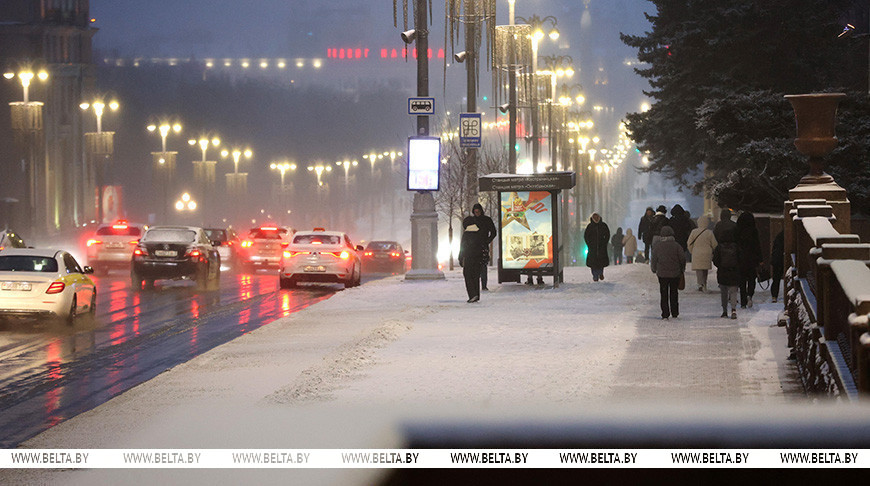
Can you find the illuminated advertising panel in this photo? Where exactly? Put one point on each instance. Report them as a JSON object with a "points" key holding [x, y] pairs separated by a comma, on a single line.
{"points": [[424, 163], [526, 230]]}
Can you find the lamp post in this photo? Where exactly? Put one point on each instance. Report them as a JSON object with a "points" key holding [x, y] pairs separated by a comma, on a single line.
{"points": [[347, 207], [99, 147], [511, 49], [556, 67], [237, 182], [185, 205], [319, 170], [538, 24], [283, 196], [204, 176], [164, 161], [27, 128]]}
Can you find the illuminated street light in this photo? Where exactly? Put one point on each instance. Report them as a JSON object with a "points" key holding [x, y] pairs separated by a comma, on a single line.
{"points": [[99, 106], [204, 143], [164, 129], [319, 170], [25, 77], [237, 155], [185, 203], [282, 168]]}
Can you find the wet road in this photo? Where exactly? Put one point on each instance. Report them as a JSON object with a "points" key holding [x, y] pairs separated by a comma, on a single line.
{"points": [[50, 372]]}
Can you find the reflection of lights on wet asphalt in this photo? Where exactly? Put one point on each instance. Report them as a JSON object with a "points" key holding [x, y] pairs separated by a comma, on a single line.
{"points": [[225, 268]]}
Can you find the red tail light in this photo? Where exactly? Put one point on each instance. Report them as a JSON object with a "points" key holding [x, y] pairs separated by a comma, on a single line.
{"points": [[134, 242], [247, 243], [368, 253], [291, 254], [344, 255], [139, 251], [285, 244], [194, 253], [94, 242], [55, 288], [394, 254]]}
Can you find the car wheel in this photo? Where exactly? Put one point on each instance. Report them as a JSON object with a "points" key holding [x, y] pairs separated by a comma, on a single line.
{"points": [[351, 279], [202, 278], [358, 280], [73, 311], [215, 281], [135, 280]]}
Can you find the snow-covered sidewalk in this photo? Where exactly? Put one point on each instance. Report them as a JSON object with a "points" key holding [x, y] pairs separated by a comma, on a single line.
{"points": [[393, 345]]}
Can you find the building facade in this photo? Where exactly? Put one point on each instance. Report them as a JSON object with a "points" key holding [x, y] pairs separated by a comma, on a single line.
{"points": [[54, 36]]}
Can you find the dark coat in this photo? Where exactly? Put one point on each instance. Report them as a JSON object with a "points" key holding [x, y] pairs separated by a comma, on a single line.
{"points": [[724, 224], [616, 240], [746, 237], [726, 257], [668, 257], [644, 228], [777, 255], [681, 224], [473, 244], [659, 221], [597, 237]]}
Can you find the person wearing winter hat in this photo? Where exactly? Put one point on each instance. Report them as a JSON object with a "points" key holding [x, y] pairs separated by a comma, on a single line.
{"points": [[475, 238], [668, 263], [659, 221], [644, 231]]}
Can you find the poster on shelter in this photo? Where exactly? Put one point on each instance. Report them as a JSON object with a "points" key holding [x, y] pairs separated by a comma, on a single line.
{"points": [[526, 229]]}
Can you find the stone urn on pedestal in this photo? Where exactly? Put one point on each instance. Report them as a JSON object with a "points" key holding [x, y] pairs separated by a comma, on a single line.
{"points": [[815, 116]]}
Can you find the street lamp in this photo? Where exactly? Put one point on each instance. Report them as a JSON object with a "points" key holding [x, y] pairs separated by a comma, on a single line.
{"points": [[538, 25], [185, 203], [237, 155], [165, 161], [282, 168], [25, 77], [204, 143], [99, 146], [319, 170]]}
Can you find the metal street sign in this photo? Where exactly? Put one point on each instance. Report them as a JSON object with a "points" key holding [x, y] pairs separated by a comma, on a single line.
{"points": [[421, 106], [469, 130]]}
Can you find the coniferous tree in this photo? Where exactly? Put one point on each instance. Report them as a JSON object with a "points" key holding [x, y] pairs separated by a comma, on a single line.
{"points": [[718, 72]]}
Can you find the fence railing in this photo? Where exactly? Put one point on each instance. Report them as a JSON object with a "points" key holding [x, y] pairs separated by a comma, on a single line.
{"points": [[827, 290]]}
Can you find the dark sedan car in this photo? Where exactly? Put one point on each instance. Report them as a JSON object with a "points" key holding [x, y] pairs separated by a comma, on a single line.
{"points": [[384, 256], [175, 252]]}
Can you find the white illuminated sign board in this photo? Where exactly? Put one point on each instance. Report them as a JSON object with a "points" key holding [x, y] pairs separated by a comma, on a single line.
{"points": [[424, 163]]}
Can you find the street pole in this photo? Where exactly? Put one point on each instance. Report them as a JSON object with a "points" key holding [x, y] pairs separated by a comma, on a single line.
{"points": [[424, 217], [471, 107]]}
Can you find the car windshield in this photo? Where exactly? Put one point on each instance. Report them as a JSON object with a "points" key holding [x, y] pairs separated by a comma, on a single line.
{"points": [[267, 234], [381, 246], [216, 234], [119, 230], [27, 263], [170, 236], [317, 240]]}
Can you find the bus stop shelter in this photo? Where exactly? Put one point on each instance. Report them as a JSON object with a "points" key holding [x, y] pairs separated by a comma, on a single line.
{"points": [[529, 224]]}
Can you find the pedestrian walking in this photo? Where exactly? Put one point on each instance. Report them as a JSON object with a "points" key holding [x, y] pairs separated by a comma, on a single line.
{"points": [[629, 246], [487, 227], [597, 237], [616, 244], [668, 263], [701, 244], [644, 231], [659, 221], [746, 237], [681, 224], [471, 251], [777, 265], [726, 257], [725, 224]]}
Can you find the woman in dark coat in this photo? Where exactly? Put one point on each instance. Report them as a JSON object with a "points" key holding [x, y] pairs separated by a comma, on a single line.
{"points": [[681, 224], [597, 236], [746, 237]]}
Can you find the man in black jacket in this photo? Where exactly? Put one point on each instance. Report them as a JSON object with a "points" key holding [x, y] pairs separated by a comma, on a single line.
{"points": [[644, 231], [477, 231], [489, 232]]}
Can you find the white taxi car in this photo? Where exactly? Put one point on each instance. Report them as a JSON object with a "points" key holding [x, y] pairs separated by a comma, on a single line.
{"points": [[320, 256], [44, 283]]}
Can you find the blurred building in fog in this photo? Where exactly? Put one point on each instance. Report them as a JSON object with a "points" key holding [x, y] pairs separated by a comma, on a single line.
{"points": [[54, 35]]}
